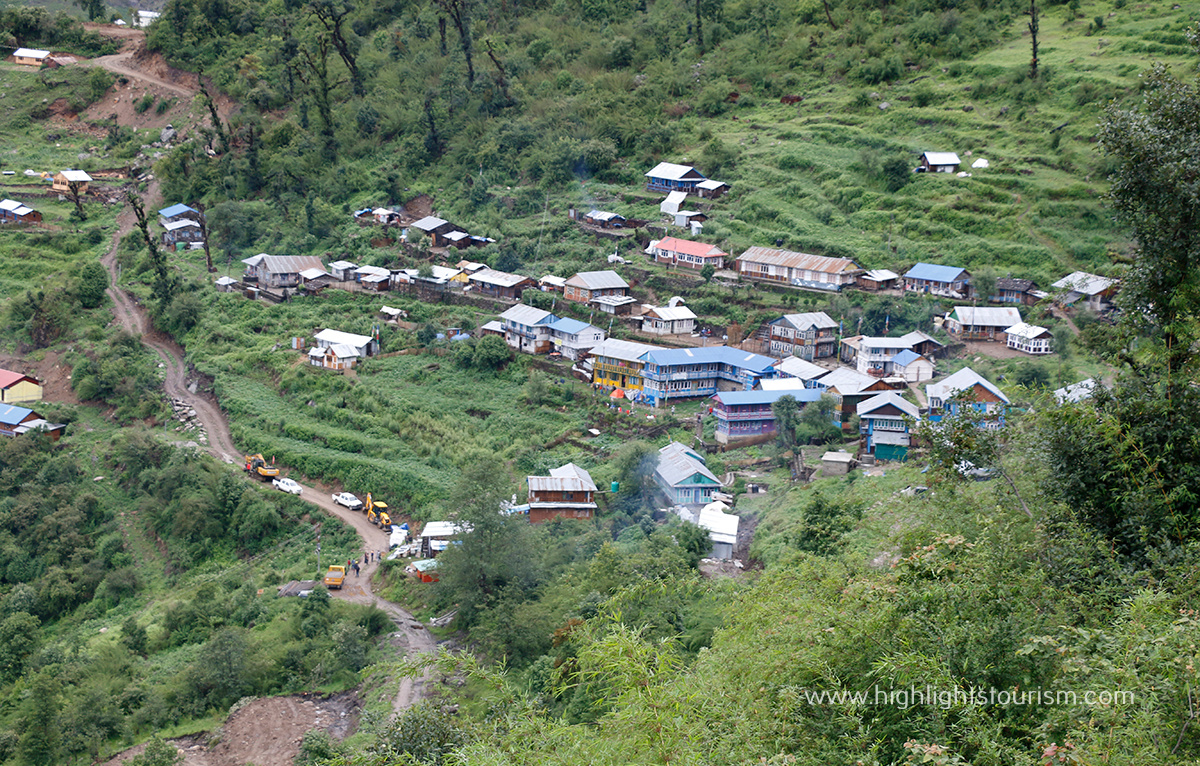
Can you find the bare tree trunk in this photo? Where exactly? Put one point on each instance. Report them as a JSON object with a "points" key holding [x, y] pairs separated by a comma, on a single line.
{"points": [[829, 15], [73, 187], [204, 235], [1033, 33]]}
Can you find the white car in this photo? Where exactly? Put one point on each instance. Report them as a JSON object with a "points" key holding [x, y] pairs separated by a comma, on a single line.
{"points": [[348, 500], [288, 485]]}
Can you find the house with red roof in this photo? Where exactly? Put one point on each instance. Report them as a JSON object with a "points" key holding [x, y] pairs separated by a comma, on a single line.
{"points": [[17, 387], [686, 253]]}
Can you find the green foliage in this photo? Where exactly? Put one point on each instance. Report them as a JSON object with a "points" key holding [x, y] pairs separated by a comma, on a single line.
{"points": [[93, 281], [424, 734], [157, 753]]}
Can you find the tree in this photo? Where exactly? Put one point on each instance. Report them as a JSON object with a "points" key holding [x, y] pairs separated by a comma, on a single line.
{"points": [[787, 419], [332, 15], [74, 192], [203, 221], [819, 422], [42, 740], [93, 281], [491, 353], [94, 8], [133, 635], [459, 12], [707, 271], [20, 635], [536, 388], [166, 284], [1033, 39]]}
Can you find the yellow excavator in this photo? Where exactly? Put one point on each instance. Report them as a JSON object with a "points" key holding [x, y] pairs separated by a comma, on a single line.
{"points": [[256, 465], [377, 513]]}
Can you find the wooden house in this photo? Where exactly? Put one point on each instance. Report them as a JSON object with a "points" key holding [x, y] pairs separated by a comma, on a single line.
{"points": [[30, 56], [1022, 292], [499, 284], [884, 423], [849, 387], [343, 271], [279, 270], [1029, 338], [812, 272], [589, 285], [809, 336], [710, 189], [947, 281], [686, 253], [184, 231], [64, 178], [618, 364], [683, 476], [604, 219], [19, 388], [1094, 292], [15, 421], [436, 228], [568, 492], [669, 177], [877, 279], [19, 213], [966, 388], [982, 322], [939, 162], [339, 356]]}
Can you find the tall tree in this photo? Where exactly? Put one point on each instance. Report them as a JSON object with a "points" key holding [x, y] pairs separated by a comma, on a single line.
{"points": [[204, 236], [166, 284], [75, 192], [332, 16], [1033, 41], [459, 12], [314, 73]]}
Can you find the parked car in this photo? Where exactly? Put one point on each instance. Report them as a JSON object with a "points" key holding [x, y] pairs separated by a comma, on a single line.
{"points": [[288, 485], [348, 500]]}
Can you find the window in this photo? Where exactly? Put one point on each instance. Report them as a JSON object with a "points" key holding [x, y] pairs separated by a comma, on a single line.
{"points": [[888, 424]]}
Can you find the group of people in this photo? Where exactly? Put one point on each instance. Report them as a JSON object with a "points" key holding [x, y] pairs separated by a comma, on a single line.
{"points": [[368, 557]]}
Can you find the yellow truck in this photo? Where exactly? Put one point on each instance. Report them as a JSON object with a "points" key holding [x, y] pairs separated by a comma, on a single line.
{"points": [[335, 577]]}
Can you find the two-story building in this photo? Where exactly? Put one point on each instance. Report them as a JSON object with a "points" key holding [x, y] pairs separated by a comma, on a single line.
{"points": [[809, 336], [849, 387], [686, 253], [946, 281], [589, 285], [885, 423], [1020, 292], [363, 345], [887, 357], [681, 373], [812, 272], [618, 364], [743, 415], [527, 329], [982, 322], [1029, 338], [966, 388], [669, 320], [574, 339], [683, 476], [568, 492], [1095, 292], [178, 212], [183, 231]]}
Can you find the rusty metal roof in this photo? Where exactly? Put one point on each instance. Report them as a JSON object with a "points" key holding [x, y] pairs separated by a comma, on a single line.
{"points": [[805, 261]]}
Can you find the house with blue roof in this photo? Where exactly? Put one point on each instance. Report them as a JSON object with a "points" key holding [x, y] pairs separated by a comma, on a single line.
{"points": [[947, 281], [527, 329], [681, 373], [885, 423], [744, 415], [573, 338], [15, 421], [176, 213]]}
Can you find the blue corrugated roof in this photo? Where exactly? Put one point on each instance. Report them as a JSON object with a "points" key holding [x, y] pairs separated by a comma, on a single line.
{"points": [[10, 414], [710, 354], [569, 326], [174, 210], [737, 398], [935, 273], [905, 358]]}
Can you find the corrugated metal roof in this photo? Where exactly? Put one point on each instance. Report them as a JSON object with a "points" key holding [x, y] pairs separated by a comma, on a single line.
{"points": [[867, 342], [941, 158], [568, 326], [935, 273], [986, 316], [226, 281], [1017, 285], [343, 350], [905, 358], [677, 463], [185, 223], [1076, 392], [798, 392], [804, 261], [614, 300], [688, 247], [444, 529], [76, 175], [527, 315], [733, 357], [176, 209], [9, 204], [598, 280], [673, 172], [846, 380], [671, 313], [798, 368], [624, 350], [429, 223], [343, 265], [1084, 283], [313, 273], [8, 378], [570, 469], [10, 414], [289, 264], [1027, 331], [550, 279], [881, 275], [457, 236], [710, 184], [675, 197], [30, 53], [604, 215], [557, 484], [916, 336], [498, 278], [332, 337], [868, 406], [963, 380], [817, 319]]}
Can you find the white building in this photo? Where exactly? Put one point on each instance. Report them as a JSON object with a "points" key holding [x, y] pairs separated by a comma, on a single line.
{"points": [[669, 320], [1029, 338]]}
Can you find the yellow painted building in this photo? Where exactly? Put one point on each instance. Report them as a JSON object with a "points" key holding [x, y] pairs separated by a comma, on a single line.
{"points": [[616, 364], [18, 388]]}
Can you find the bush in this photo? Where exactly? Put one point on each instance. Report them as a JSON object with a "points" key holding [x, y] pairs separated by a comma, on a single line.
{"points": [[144, 103]]}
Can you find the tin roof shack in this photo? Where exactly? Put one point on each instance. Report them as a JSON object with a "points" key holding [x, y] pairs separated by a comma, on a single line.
{"points": [[982, 322], [424, 570], [710, 189], [64, 178], [812, 272], [1022, 292], [836, 463], [227, 284], [12, 211], [604, 219], [499, 284], [19, 388], [15, 421], [672, 203], [722, 527], [686, 253], [878, 279], [884, 424], [966, 387], [30, 56], [746, 415], [669, 320], [939, 162], [947, 281], [669, 177], [438, 535], [683, 476], [278, 270], [589, 285], [568, 492], [527, 329], [363, 345], [1029, 338], [681, 373], [343, 271], [808, 336], [574, 339], [552, 284], [1096, 292], [436, 228]]}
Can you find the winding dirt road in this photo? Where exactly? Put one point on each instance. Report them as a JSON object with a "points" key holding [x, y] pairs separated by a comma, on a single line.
{"points": [[413, 637]]}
